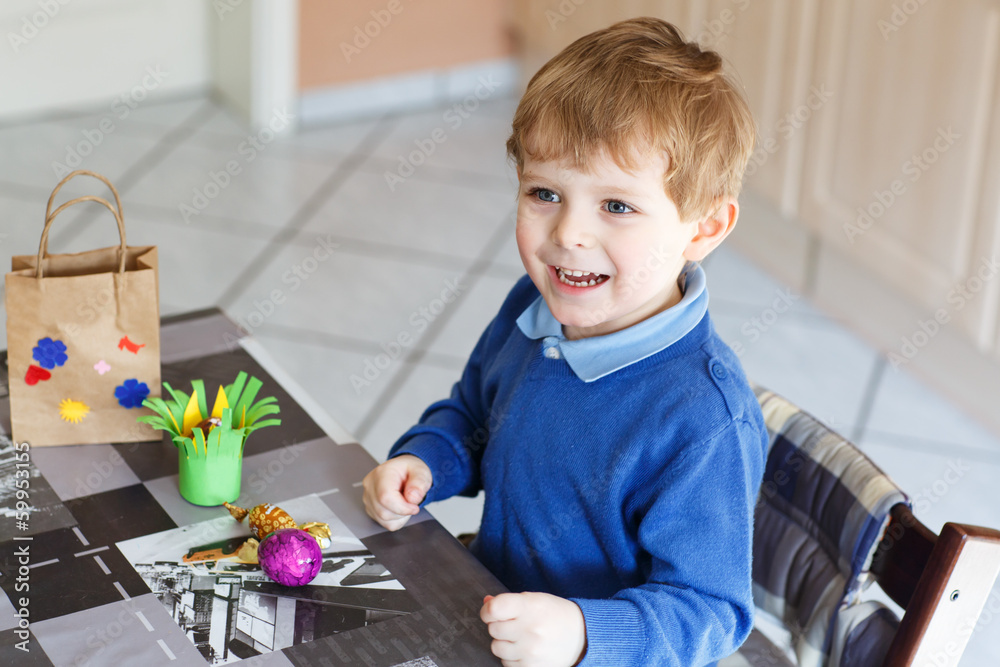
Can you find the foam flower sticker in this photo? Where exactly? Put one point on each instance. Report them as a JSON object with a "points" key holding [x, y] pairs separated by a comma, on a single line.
{"points": [[72, 411], [49, 353], [131, 393]]}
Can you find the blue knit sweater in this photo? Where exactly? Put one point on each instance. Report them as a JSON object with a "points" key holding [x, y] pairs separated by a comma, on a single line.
{"points": [[632, 495]]}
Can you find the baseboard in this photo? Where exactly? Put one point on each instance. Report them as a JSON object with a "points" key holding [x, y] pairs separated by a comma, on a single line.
{"points": [[406, 92], [947, 361]]}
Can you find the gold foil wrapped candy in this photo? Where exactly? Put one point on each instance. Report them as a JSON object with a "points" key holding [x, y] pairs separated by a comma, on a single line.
{"points": [[263, 519], [266, 518]]}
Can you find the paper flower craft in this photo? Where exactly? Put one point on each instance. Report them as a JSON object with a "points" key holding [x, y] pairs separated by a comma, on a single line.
{"points": [[49, 353], [132, 393], [210, 444]]}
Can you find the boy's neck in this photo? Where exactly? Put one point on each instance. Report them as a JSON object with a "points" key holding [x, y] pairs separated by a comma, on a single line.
{"points": [[576, 333]]}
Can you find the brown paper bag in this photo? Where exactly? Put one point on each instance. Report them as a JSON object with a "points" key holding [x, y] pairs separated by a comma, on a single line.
{"points": [[83, 338]]}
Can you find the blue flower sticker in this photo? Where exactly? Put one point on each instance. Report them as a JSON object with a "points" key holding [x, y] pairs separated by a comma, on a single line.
{"points": [[131, 394], [49, 353]]}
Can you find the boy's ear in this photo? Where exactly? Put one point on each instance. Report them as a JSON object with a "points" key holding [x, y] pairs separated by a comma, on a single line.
{"points": [[712, 229]]}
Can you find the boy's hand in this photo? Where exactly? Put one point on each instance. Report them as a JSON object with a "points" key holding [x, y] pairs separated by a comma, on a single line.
{"points": [[394, 490], [535, 629]]}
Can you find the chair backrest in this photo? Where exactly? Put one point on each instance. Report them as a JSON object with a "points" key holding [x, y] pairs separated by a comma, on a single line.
{"points": [[829, 522], [822, 510], [942, 581]]}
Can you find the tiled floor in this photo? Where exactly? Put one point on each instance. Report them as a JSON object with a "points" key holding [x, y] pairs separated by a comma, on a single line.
{"points": [[340, 277]]}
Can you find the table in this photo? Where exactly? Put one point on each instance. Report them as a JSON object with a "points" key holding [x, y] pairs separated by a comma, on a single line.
{"points": [[97, 572]]}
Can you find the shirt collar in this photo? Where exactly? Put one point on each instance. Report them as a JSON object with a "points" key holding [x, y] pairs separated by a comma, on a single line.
{"points": [[593, 358]]}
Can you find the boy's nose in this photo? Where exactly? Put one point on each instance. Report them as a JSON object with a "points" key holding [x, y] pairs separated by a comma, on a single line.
{"points": [[571, 232]]}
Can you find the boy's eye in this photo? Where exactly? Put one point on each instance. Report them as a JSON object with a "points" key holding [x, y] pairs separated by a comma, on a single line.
{"points": [[618, 207], [545, 195]]}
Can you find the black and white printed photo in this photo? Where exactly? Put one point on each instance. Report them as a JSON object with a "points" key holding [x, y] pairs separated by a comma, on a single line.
{"points": [[231, 610]]}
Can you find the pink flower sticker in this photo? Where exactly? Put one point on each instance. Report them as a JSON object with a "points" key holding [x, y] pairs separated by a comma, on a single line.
{"points": [[102, 367]]}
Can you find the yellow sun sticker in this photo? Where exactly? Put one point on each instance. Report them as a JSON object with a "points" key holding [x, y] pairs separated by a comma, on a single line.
{"points": [[72, 411]]}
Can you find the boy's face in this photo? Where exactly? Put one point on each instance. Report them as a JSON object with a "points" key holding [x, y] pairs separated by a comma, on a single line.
{"points": [[619, 228]]}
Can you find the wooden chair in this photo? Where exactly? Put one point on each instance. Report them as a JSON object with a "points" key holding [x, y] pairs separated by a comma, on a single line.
{"points": [[942, 581], [829, 522]]}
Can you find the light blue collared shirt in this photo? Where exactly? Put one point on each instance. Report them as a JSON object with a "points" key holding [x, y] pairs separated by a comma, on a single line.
{"points": [[593, 358]]}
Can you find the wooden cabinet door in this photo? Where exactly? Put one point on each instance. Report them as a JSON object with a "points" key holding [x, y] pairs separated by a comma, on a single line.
{"points": [[901, 168], [544, 27], [769, 45]]}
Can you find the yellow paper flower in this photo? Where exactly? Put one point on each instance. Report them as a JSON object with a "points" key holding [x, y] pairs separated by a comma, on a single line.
{"points": [[192, 413], [72, 411], [193, 427]]}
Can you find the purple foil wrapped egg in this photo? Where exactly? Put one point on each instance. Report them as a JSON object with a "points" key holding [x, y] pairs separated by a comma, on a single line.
{"points": [[290, 556]]}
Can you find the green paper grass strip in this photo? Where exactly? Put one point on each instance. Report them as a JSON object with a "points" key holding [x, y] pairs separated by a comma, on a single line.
{"points": [[223, 441]]}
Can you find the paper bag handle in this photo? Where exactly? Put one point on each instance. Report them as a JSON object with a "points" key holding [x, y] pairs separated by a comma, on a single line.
{"points": [[43, 245], [83, 172]]}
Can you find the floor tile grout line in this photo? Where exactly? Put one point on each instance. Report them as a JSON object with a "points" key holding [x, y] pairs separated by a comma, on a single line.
{"points": [[65, 115], [439, 174], [347, 343], [746, 308], [23, 192], [309, 208], [933, 445], [811, 279], [472, 275], [166, 145], [394, 252], [264, 230], [351, 245], [868, 399], [428, 357]]}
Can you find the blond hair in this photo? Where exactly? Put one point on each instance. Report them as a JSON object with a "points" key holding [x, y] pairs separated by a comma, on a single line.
{"points": [[634, 89]]}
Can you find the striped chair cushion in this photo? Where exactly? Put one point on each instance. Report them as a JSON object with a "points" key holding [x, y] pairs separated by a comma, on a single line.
{"points": [[821, 512], [864, 632], [757, 651]]}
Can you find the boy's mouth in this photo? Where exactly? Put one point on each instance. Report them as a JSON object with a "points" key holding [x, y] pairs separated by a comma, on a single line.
{"points": [[577, 278]]}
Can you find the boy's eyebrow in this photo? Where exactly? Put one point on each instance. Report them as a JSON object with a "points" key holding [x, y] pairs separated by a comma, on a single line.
{"points": [[530, 175], [623, 192], [609, 189]]}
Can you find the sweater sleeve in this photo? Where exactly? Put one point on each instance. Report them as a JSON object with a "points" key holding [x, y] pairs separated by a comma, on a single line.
{"points": [[452, 433], [696, 605], [450, 438]]}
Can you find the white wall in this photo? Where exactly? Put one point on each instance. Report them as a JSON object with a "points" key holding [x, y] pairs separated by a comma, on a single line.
{"points": [[60, 55], [255, 58]]}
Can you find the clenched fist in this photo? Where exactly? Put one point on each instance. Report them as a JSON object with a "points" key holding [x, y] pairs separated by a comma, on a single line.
{"points": [[394, 490], [535, 629]]}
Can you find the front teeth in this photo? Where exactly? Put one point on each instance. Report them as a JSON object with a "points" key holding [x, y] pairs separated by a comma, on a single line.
{"points": [[562, 273]]}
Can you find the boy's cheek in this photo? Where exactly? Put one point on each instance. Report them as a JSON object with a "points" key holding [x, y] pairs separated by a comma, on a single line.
{"points": [[526, 245]]}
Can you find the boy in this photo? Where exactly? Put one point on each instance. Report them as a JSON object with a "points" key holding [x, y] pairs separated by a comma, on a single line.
{"points": [[616, 438]]}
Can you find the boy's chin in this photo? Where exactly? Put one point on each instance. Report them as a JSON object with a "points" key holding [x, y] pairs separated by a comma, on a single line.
{"points": [[579, 322]]}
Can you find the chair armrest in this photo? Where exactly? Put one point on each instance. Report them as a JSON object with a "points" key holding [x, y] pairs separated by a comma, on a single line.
{"points": [[948, 594]]}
